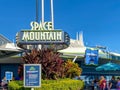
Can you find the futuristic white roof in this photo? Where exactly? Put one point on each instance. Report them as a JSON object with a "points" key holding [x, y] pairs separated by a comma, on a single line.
{"points": [[7, 48], [77, 48]]}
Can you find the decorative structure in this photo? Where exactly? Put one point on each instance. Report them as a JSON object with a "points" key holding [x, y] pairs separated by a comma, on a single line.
{"points": [[7, 48], [76, 47]]}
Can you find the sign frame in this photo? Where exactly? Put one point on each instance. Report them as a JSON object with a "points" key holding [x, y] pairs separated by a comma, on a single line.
{"points": [[32, 72]]}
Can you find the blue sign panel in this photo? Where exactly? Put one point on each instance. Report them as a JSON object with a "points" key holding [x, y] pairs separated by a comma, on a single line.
{"points": [[91, 56], [8, 75], [33, 37], [40, 37], [32, 75]]}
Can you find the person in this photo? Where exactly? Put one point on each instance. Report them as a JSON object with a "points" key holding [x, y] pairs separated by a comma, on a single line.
{"points": [[102, 83], [96, 81], [118, 84], [4, 83], [112, 84]]}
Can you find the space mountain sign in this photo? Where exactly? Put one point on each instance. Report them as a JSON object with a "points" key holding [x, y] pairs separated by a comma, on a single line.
{"points": [[42, 33]]}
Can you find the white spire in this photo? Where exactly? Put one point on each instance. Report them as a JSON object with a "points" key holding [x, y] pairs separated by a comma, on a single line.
{"points": [[77, 36], [78, 42], [81, 38]]}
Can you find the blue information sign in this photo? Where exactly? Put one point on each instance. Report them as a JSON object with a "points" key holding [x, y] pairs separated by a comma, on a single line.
{"points": [[91, 56], [8, 75], [32, 75]]}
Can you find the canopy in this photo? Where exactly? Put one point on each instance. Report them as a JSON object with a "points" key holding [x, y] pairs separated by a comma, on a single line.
{"points": [[108, 67], [9, 49]]}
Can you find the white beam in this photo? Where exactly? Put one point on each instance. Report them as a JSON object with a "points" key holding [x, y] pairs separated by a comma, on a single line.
{"points": [[52, 15], [42, 11], [75, 58]]}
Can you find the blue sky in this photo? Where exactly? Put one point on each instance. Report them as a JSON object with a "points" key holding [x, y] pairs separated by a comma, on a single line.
{"points": [[98, 19]]}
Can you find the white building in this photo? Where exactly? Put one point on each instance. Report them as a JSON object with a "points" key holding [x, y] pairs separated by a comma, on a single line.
{"points": [[77, 48]]}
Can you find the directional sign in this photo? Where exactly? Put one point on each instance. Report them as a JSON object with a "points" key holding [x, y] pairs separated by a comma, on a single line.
{"points": [[32, 75]]}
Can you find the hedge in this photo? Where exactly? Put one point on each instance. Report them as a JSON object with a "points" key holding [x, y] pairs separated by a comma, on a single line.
{"points": [[62, 84]]}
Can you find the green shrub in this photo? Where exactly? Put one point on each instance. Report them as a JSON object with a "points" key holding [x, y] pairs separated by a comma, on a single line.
{"points": [[16, 85], [62, 84], [72, 69]]}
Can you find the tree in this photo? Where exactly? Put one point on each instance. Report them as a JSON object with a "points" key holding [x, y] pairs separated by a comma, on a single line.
{"points": [[52, 64]]}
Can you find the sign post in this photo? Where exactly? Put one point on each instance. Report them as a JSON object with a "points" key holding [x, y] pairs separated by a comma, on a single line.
{"points": [[32, 75]]}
